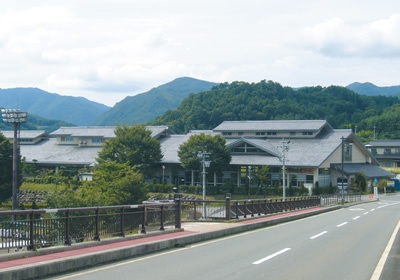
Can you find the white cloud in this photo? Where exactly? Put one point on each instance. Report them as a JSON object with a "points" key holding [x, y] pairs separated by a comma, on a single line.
{"points": [[336, 38], [110, 48]]}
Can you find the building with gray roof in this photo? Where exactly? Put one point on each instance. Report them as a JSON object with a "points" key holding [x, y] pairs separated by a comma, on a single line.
{"points": [[311, 150]]}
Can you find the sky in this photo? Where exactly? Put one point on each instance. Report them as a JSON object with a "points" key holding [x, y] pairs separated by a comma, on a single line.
{"points": [[106, 50]]}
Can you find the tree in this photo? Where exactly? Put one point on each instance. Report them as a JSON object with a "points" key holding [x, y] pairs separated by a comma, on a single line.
{"points": [[6, 160], [114, 184], [219, 154], [132, 145], [120, 183]]}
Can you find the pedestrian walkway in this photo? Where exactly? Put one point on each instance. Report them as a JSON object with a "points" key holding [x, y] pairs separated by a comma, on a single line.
{"points": [[56, 260]]}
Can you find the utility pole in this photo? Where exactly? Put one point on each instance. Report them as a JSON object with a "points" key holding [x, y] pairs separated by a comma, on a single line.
{"points": [[284, 150]]}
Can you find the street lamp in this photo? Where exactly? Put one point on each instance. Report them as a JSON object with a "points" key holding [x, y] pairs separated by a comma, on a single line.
{"points": [[15, 117], [205, 162]]}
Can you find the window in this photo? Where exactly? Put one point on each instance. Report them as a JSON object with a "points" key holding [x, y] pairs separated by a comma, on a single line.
{"points": [[292, 133], [240, 133], [347, 151], [67, 139], [96, 140], [227, 133], [260, 133], [307, 133], [271, 133], [373, 151], [387, 151]]}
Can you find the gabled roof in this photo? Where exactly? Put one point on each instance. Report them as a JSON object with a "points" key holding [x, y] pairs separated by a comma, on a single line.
{"points": [[276, 125], [258, 143]]}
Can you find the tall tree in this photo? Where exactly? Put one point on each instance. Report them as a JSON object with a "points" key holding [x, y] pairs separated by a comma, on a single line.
{"points": [[219, 154], [132, 145], [6, 154]]}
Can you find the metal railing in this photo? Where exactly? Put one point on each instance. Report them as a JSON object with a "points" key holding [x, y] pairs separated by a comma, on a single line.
{"points": [[48, 227], [235, 209], [336, 199]]}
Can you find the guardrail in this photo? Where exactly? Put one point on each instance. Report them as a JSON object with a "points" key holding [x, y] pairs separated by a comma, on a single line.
{"points": [[48, 227], [335, 199]]}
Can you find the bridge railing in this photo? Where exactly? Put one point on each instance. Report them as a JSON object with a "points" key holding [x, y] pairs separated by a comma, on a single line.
{"points": [[235, 209], [48, 227]]}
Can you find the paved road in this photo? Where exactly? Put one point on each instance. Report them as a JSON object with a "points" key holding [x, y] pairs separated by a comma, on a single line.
{"points": [[344, 244]]}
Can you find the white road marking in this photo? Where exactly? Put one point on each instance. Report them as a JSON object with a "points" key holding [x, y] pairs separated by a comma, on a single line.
{"points": [[355, 218], [366, 213], [318, 235], [272, 256], [378, 269], [342, 224]]}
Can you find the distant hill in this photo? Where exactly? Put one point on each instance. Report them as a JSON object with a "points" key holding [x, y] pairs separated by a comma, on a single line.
{"points": [[267, 100], [373, 90], [145, 107], [75, 110]]}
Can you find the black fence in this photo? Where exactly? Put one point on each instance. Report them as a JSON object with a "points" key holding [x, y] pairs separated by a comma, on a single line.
{"points": [[47, 227], [235, 209]]}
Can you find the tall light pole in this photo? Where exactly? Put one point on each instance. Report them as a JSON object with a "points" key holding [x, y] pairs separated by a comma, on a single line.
{"points": [[205, 162], [285, 148], [15, 117]]}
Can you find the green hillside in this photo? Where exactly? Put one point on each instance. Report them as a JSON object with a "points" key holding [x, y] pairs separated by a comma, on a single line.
{"points": [[145, 107], [268, 100]]}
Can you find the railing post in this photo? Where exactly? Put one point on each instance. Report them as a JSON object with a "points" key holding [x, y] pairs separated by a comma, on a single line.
{"points": [[143, 220], [162, 217], [178, 205], [122, 221], [97, 221], [31, 234], [245, 209], [194, 209], [252, 208], [228, 206], [68, 236], [237, 209]]}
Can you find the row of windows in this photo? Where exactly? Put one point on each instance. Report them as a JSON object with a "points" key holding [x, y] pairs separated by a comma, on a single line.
{"points": [[269, 133]]}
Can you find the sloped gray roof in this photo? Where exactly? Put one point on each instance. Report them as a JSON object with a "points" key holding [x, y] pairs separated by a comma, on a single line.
{"points": [[99, 131], [301, 152], [48, 152], [385, 143], [28, 134], [170, 145], [371, 171], [276, 125]]}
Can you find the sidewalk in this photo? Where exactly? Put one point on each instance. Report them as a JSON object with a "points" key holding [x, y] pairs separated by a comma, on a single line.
{"points": [[57, 260]]}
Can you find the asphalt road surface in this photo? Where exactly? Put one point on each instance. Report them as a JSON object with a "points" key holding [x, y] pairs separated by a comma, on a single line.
{"points": [[351, 243]]}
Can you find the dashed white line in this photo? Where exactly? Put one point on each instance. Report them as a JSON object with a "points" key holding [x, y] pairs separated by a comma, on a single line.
{"points": [[272, 256], [366, 213], [342, 224], [355, 218], [318, 235]]}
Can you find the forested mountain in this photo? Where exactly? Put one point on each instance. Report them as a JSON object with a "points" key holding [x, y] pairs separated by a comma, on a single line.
{"points": [[76, 110], [268, 100], [145, 107], [373, 90]]}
